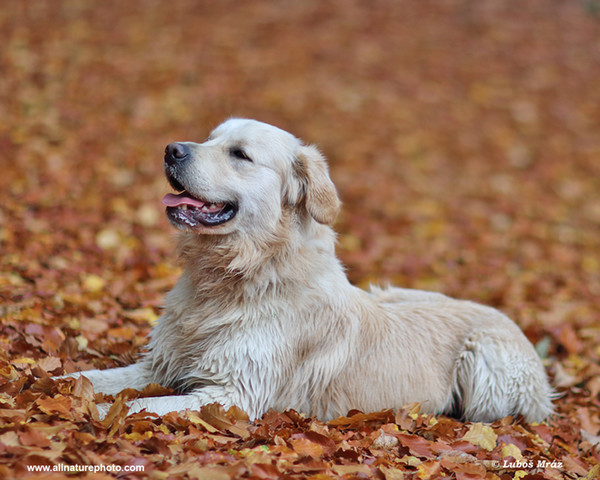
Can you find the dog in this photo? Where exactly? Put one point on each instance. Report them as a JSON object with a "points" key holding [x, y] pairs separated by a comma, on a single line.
{"points": [[263, 316]]}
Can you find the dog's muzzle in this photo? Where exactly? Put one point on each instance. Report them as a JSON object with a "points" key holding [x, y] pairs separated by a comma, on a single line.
{"points": [[187, 210]]}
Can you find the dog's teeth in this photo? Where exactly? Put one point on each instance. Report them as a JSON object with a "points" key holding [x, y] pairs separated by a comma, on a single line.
{"points": [[207, 207]]}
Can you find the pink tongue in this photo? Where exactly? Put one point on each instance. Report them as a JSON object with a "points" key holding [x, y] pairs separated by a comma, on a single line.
{"points": [[172, 200]]}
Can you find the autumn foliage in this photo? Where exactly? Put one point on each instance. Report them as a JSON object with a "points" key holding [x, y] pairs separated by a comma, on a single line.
{"points": [[464, 140]]}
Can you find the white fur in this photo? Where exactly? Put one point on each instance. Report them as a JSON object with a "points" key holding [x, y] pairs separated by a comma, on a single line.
{"points": [[263, 316]]}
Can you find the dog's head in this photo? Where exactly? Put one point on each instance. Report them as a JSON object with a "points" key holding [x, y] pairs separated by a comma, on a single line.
{"points": [[243, 178]]}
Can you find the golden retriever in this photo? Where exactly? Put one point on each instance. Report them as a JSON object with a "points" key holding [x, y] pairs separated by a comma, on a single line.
{"points": [[264, 317]]}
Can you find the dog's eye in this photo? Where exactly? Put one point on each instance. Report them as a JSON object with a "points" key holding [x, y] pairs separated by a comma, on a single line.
{"points": [[239, 153]]}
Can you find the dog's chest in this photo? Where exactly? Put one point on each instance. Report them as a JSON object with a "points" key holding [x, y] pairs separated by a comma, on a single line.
{"points": [[225, 348]]}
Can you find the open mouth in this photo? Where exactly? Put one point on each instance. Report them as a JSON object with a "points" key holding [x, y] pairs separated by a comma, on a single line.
{"points": [[187, 211]]}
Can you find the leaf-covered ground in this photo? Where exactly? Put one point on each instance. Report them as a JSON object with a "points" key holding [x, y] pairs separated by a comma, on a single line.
{"points": [[464, 138]]}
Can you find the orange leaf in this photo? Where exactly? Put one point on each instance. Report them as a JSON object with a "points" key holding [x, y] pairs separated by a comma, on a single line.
{"points": [[306, 447], [34, 438], [417, 446], [58, 404]]}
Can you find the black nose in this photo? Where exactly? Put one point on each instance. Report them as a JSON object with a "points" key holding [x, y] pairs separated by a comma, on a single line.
{"points": [[176, 153]]}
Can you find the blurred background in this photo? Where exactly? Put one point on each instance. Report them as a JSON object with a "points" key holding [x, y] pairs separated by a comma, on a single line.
{"points": [[463, 137]]}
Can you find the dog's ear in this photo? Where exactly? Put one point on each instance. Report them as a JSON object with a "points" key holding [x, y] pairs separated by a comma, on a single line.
{"points": [[320, 196]]}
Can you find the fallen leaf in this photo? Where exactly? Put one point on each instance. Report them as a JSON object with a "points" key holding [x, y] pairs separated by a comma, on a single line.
{"points": [[93, 283], [481, 435], [58, 404], [511, 450], [34, 438]]}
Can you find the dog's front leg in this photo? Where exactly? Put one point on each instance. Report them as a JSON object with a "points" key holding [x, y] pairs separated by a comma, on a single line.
{"points": [[174, 403], [158, 405], [170, 403], [112, 380]]}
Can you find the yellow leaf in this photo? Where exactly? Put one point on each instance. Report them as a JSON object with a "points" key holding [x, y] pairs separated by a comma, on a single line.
{"points": [[122, 333], [414, 410], [7, 402], [93, 283], [511, 450], [520, 474], [593, 473], [411, 461], [82, 342], [28, 360], [142, 314], [163, 428], [11, 279], [481, 435], [429, 469], [137, 436], [108, 239]]}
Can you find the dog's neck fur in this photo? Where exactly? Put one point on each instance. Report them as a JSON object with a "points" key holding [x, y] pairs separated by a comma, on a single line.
{"points": [[246, 266]]}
